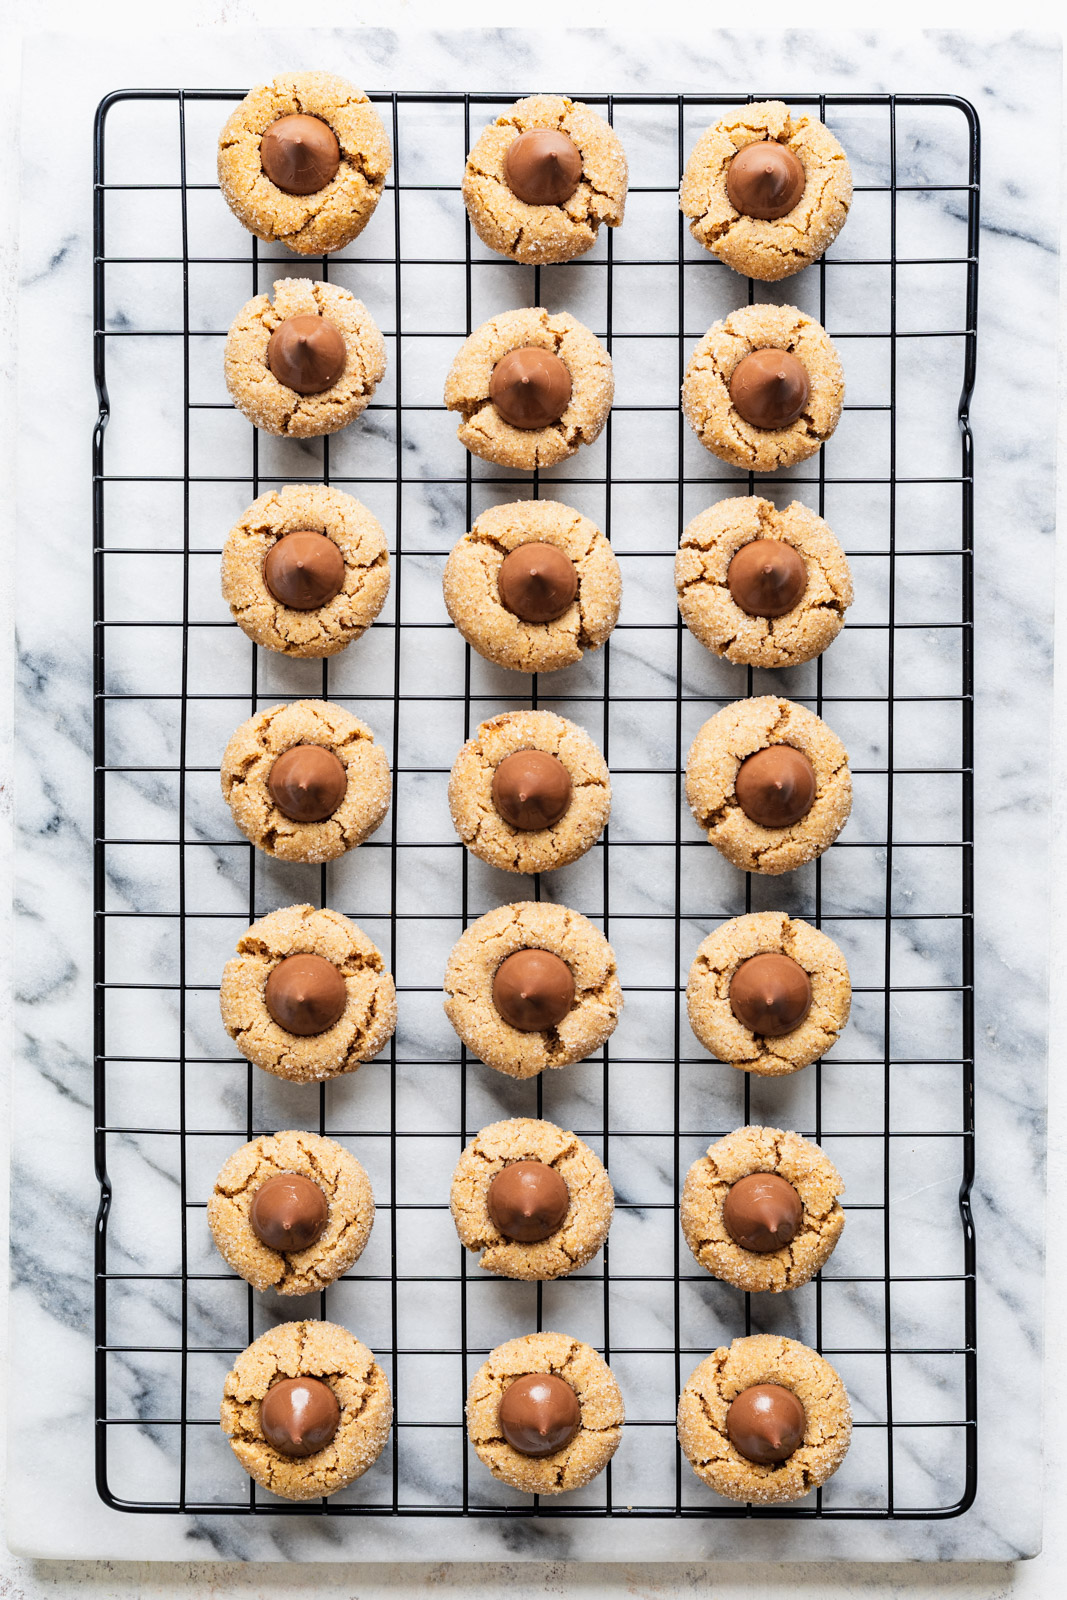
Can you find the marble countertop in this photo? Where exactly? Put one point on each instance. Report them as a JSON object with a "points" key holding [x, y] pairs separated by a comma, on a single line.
{"points": [[51, 1300]]}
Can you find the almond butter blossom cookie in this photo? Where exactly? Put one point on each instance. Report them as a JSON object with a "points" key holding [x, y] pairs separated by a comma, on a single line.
{"points": [[542, 178], [765, 1420], [308, 996], [303, 160], [532, 1199], [305, 781], [531, 386], [769, 782], [768, 993], [307, 1409], [530, 986], [291, 1212], [762, 587], [766, 191], [760, 1209], [529, 792], [306, 362], [764, 388], [545, 1413], [306, 570], [533, 585]]}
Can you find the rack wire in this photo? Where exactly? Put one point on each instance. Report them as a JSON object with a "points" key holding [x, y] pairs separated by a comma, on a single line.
{"points": [[895, 1307]]}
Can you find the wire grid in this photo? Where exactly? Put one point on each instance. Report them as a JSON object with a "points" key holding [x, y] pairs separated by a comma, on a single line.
{"points": [[167, 1116]]}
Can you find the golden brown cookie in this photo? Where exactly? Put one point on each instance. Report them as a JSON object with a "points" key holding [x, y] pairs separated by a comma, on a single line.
{"points": [[330, 216], [724, 742], [337, 1358], [528, 925], [252, 752], [349, 1199], [488, 834], [472, 593], [705, 586], [768, 248], [602, 1413], [536, 232], [484, 431], [315, 508], [742, 1153], [711, 412], [584, 1228], [764, 1358], [721, 1031], [273, 405], [365, 1025]]}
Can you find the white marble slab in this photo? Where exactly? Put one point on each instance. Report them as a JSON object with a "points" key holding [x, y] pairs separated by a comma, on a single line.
{"points": [[53, 1296]]}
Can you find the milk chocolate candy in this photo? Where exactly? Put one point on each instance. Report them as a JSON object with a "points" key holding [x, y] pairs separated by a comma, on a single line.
{"points": [[305, 994], [530, 387], [299, 1416], [533, 990], [776, 786], [528, 1201], [307, 354], [539, 1414], [300, 154]]}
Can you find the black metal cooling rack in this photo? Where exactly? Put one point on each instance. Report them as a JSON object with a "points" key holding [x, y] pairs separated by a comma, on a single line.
{"points": [[174, 1424]]}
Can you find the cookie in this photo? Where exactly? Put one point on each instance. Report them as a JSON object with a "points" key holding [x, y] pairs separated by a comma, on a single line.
{"points": [[525, 643], [349, 1203], [355, 786], [601, 1414], [759, 840], [586, 1017], [764, 1358], [488, 792], [314, 377], [709, 391], [310, 184], [524, 1249], [782, 603], [361, 576], [567, 417], [718, 1024], [366, 996], [776, 210], [816, 1223], [543, 199], [337, 1359]]}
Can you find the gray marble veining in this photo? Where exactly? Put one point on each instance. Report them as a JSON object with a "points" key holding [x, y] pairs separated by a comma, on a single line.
{"points": [[54, 1187]]}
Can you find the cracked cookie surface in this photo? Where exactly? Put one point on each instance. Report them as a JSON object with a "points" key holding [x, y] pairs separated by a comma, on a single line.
{"points": [[257, 744], [711, 767], [712, 414], [583, 1230], [603, 1414], [316, 508], [711, 1016], [311, 1350], [710, 611], [768, 249], [530, 925], [472, 596], [543, 233], [813, 1176], [484, 431], [334, 215], [348, 1194], [360, 1032], [480, 825], [764, 1358], [272, 405]]}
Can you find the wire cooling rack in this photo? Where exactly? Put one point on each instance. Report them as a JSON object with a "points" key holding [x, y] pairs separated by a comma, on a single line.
{"points": [[893, 1103]]}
